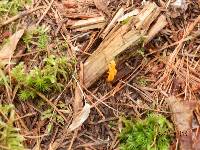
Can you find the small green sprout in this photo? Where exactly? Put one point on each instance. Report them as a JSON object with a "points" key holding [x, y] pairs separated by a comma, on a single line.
{"points": [[36, 36], [53, 116], [42, 38]]}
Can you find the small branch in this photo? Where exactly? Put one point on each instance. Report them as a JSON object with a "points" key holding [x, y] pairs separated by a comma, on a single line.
{"points": [[20, 15]]}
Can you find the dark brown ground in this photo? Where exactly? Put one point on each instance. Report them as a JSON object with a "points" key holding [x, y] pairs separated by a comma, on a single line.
{"points": [[143, 89]]}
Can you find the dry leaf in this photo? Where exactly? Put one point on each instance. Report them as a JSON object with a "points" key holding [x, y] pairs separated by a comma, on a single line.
{"points": [[8, 49], [182, 113], [80, 118]]}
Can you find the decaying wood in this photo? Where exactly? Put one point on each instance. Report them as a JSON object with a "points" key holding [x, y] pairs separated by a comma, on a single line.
{"points": [[118, 40], [159, 25], [130, 14]]}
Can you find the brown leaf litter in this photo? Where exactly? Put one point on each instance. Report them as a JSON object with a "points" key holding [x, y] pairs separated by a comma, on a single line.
{"points": [[7, 51]]}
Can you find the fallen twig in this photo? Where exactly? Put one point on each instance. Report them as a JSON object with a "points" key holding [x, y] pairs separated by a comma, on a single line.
{"points": [[20, 15]]}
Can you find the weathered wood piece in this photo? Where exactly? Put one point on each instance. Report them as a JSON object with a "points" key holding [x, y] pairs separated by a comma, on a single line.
{"points": [[121, 37], [88, 24]]}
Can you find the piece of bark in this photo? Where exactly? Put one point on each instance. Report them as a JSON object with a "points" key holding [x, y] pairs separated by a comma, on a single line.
{"points": [[117, 41], [196, 143], [91, 27], [78, 97], [182, 114], [70, 4]]}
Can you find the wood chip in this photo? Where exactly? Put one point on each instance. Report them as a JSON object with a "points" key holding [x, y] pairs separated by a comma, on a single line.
{"points": [[88, 24]]}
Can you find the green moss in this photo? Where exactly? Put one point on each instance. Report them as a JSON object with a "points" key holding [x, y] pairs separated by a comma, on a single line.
{"points": [[152, 133], [42, 38], [12, 7], [126, 21], [26, 94], [10, 138], [142, 81], [141, 52], [51, 77]]}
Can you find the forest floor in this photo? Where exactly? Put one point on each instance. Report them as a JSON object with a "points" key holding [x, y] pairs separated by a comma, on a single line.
{"points": [[100, 74]]}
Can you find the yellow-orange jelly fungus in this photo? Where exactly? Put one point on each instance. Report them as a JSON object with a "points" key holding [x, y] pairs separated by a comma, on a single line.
{"points": [[111, 71]]}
